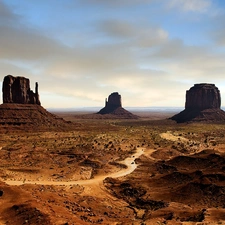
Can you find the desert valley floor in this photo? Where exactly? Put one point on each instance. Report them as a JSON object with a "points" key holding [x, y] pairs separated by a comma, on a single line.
{"points": [[109, 171]]}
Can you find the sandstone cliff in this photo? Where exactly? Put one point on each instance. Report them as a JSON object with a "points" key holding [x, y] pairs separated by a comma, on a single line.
{"points": [[203, 96], [113, 102], [17, 90], [113, 106], [21, 109], [203, 103]]}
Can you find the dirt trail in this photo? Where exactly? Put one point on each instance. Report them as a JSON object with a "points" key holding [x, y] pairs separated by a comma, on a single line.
{"points": [[129, 162], [169, 136]]}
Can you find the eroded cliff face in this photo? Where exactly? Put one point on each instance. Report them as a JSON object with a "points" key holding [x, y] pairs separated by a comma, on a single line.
{"points": [[114, 100], [113, 103], [17, 90], [203, 103], [203, 96], [21, 109]]}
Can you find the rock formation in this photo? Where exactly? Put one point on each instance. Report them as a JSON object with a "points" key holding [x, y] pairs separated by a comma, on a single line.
{"points": [[203, 103], [203, 96], [114, 102], [113, 106], [21, 109], [17, 90]]}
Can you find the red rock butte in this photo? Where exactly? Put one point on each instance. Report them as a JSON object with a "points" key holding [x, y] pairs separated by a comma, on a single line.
{"points": [[113, 102], [113, 106], [203, 96], [17, 90], [21, 108], [203, 103]]}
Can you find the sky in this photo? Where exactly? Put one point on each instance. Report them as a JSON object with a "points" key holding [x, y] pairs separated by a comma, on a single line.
{"points": [[80, 51]]}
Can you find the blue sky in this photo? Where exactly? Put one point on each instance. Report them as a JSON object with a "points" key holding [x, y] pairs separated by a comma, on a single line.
{"points": [[80, 51]]}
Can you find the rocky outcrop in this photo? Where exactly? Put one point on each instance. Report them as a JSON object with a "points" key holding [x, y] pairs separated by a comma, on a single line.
{"points": [[203, 96], [21, 109], [113, 102], [203, 103], [17, 90], [113, 106]]}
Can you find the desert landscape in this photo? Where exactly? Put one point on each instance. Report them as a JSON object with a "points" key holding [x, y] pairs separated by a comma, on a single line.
{"points": [[87, 175], [84, 168], [112, 112]]}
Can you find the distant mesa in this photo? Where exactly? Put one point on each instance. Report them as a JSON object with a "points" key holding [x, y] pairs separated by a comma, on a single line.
{"points": [[17, 90], [113, 103], [203, 103], [113, 106], [21, 108]]}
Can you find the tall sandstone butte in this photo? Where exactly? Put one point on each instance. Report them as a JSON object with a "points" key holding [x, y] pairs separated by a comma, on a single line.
{"points": [[17, 90], [203, 103], [113, 106], [114, 102], [203, 96], [21, 109]]}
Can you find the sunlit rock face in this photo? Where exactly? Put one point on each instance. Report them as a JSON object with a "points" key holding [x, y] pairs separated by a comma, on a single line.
{"points": [[203, 96], [203, 103], [17, 90]]}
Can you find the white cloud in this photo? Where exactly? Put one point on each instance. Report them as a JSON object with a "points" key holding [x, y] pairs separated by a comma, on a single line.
{"points": [[190, 5], [118, 3], [136, 57]]}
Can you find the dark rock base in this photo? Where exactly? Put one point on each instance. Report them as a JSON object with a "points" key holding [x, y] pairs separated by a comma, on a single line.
{"points": [[119, 112], [29, 117], [188, 115]]}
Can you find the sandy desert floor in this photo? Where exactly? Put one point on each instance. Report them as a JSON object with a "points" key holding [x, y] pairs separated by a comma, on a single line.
{"points": [[114, 172]]}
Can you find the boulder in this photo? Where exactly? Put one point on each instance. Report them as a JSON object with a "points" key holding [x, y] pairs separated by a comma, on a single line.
{"points": [[203, 103], [17, 90]]}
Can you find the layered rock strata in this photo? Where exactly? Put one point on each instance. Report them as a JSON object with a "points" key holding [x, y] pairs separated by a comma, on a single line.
{"points": [[203, 96], [21, 109], [203, 103]]}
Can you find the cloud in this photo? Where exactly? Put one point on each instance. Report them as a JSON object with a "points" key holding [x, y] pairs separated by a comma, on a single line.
{"points": [[6, 16], [219, 37], [144, 35], [197, 62], [91, 52], [190, 5], [117, 3], [216, 32]]}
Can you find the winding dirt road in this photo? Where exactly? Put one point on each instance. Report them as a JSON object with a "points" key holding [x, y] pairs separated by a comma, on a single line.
{"points": [[129, 162]]}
